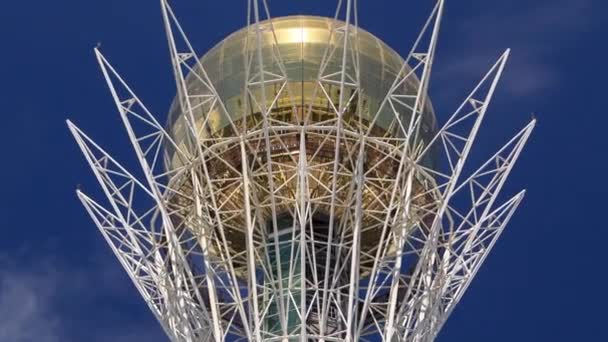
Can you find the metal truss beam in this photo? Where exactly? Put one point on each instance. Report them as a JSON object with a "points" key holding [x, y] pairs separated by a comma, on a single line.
{"points": [[258, 234]]}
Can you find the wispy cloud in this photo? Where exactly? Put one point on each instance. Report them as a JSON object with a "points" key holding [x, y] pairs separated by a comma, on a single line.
{"points": [[535, 30], [26, 304], [54, 301]]}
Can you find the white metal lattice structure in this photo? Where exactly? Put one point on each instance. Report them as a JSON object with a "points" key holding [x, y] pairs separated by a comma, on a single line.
{"points": [[322, 206]]}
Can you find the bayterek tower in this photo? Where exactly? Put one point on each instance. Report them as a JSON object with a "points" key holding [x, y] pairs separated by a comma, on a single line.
{"points": [[301, 187]]}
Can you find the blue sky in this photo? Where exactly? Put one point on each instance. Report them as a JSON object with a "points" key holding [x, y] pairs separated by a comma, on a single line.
{"points": [[545, 279]]}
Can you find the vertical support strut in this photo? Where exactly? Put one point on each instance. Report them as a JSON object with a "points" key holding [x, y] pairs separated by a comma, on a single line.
{"points": [[339, 199]]}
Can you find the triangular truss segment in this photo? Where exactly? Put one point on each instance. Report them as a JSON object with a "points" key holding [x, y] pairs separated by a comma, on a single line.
{"points": [[310, 219]]}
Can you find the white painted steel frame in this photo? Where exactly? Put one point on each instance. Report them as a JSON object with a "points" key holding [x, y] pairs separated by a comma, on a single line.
{"points": [[188, 277]]}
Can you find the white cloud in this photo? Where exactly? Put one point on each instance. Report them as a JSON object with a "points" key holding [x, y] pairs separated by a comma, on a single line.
{"points": [[535, 31], [46, 301], [26, 302]]}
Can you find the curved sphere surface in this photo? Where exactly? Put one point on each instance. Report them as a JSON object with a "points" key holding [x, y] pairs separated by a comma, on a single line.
{"points": [[302, 43], [299, 128]]}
